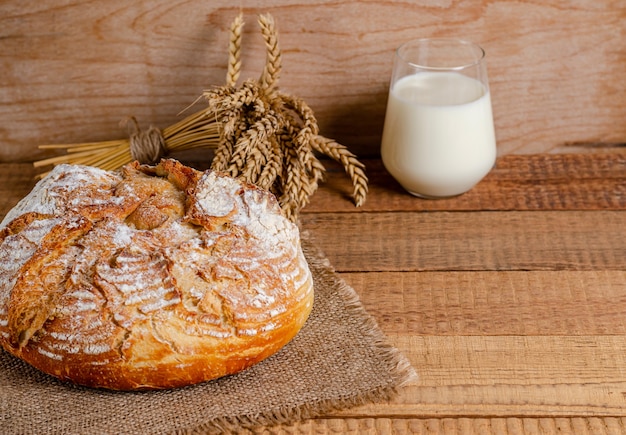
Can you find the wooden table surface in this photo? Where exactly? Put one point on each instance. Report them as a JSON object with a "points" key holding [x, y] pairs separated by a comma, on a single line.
{"points": [[509, 301]]}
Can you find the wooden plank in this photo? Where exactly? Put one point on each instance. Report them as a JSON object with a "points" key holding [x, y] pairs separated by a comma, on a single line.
{"points": [[537, 182], [490, 240], [463, 425], [466, 426], [495, 303], [445, 241], [463, 376], [72, 70]]}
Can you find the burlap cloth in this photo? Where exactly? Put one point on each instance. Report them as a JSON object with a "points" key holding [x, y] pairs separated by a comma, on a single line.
{"points": [[338, 360]]}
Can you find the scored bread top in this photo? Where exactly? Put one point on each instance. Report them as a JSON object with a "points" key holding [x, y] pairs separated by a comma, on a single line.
{"points": [[154, 277]]}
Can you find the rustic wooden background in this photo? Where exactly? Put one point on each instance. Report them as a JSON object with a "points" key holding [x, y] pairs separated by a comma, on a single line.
{"points": [[70, 70]]}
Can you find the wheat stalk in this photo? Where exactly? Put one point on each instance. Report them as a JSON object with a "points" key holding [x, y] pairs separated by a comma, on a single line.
{"points": [[291, 199], [354, 168], [198, 130], [234, 51], [273, 167], [271, 71]]}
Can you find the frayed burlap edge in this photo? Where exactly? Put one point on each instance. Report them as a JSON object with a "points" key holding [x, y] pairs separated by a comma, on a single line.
{"points": [[399, 366]]}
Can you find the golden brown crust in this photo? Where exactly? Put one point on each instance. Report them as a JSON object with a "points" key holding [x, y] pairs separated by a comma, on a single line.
{"points": [[157, 277]]}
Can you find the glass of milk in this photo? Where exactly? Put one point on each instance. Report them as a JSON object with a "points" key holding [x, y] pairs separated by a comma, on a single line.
{"points": [[438, 139]]}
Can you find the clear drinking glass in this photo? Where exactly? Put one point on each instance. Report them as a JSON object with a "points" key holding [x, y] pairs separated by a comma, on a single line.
{"points": [[438, 139]]}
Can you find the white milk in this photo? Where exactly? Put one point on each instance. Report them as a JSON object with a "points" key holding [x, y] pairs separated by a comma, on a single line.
{"points": [[438, 138]]}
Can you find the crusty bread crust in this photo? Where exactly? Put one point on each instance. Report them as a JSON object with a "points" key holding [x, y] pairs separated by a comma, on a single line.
{"points": [[151, 278]]}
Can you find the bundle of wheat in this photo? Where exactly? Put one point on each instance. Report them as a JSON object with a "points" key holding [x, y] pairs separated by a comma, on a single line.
{"points": [[259, 134], [199, 130]]}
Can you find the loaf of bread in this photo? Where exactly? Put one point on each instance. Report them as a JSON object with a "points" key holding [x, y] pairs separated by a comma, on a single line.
{"points": [[148, 278]]}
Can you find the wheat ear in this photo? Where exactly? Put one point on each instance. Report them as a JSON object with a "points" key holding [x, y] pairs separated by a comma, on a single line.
{"points": [[271, 71], [274, 165], [234, 51], [250, 140], [291, 198], [351, 165]]}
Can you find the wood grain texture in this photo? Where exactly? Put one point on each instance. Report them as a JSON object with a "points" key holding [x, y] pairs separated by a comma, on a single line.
{"points": [[575, 303], [449, 241], [517, 182], [532, 376], [72, 70], [457, 426]]}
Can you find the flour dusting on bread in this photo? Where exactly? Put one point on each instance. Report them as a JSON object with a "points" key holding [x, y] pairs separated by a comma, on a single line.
{"points": [[153, 277]]}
